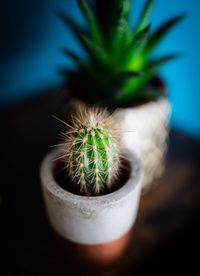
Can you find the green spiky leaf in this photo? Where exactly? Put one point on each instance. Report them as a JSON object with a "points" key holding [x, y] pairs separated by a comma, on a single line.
{"points": [[138, 43], [119, 38], [82, 63], [95, 51], [74, 27], [140, 39], [124, 5], [91, 21], [133, 86], [73, 56], [122, 78], [118, 30], [146, 12], [161, 33], [130, 74], [108, 14], [118, 9], [156, 63]]}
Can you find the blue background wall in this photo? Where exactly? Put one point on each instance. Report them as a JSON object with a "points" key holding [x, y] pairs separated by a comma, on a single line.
{"points": [[33, 35]]}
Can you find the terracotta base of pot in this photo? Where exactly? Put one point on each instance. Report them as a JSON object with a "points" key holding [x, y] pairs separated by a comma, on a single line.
{"points": [[93, 255]]}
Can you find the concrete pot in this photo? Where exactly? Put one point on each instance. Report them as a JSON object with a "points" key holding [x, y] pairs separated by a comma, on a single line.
{"points": [[97, 228], [145, 131]]}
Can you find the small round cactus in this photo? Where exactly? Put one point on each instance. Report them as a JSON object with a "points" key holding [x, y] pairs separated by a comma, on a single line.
{"points": [[91, 147]]}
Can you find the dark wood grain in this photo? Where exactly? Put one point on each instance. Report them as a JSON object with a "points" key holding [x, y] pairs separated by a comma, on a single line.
{"points": [[167, 231]]}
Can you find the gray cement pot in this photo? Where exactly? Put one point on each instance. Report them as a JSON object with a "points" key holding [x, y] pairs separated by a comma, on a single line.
{"points": [[92, 224]]}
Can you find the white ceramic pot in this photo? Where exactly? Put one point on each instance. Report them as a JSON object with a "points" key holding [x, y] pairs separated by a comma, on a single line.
{"points": [[145, 131], [91, 221]]}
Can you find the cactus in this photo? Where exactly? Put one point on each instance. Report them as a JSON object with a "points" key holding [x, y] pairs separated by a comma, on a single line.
{"points": [[91, 146]]}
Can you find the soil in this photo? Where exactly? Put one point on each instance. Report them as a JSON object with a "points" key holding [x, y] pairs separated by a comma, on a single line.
{"points": [[155, 84]]}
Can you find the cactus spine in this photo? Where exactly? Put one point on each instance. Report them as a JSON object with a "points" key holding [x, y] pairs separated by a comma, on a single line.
{"points": [[92, 156]]}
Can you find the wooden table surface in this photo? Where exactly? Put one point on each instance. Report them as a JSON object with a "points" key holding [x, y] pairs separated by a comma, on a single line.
{"points": [[166, 235]]}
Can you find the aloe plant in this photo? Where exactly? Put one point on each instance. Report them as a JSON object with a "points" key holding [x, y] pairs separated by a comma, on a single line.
{"points": [[119, 65], [91, 151]]}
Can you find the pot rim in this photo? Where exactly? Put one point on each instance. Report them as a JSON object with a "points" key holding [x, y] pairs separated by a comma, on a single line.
{"points": [[161, 100], [49, 182]]}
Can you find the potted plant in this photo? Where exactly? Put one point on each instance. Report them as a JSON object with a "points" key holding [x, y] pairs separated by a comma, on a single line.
{"points": [[93, 209], [120, 72]]}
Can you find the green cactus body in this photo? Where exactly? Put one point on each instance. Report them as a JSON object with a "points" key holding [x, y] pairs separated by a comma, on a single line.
{"points": [[93, 159], [91, 150]]}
